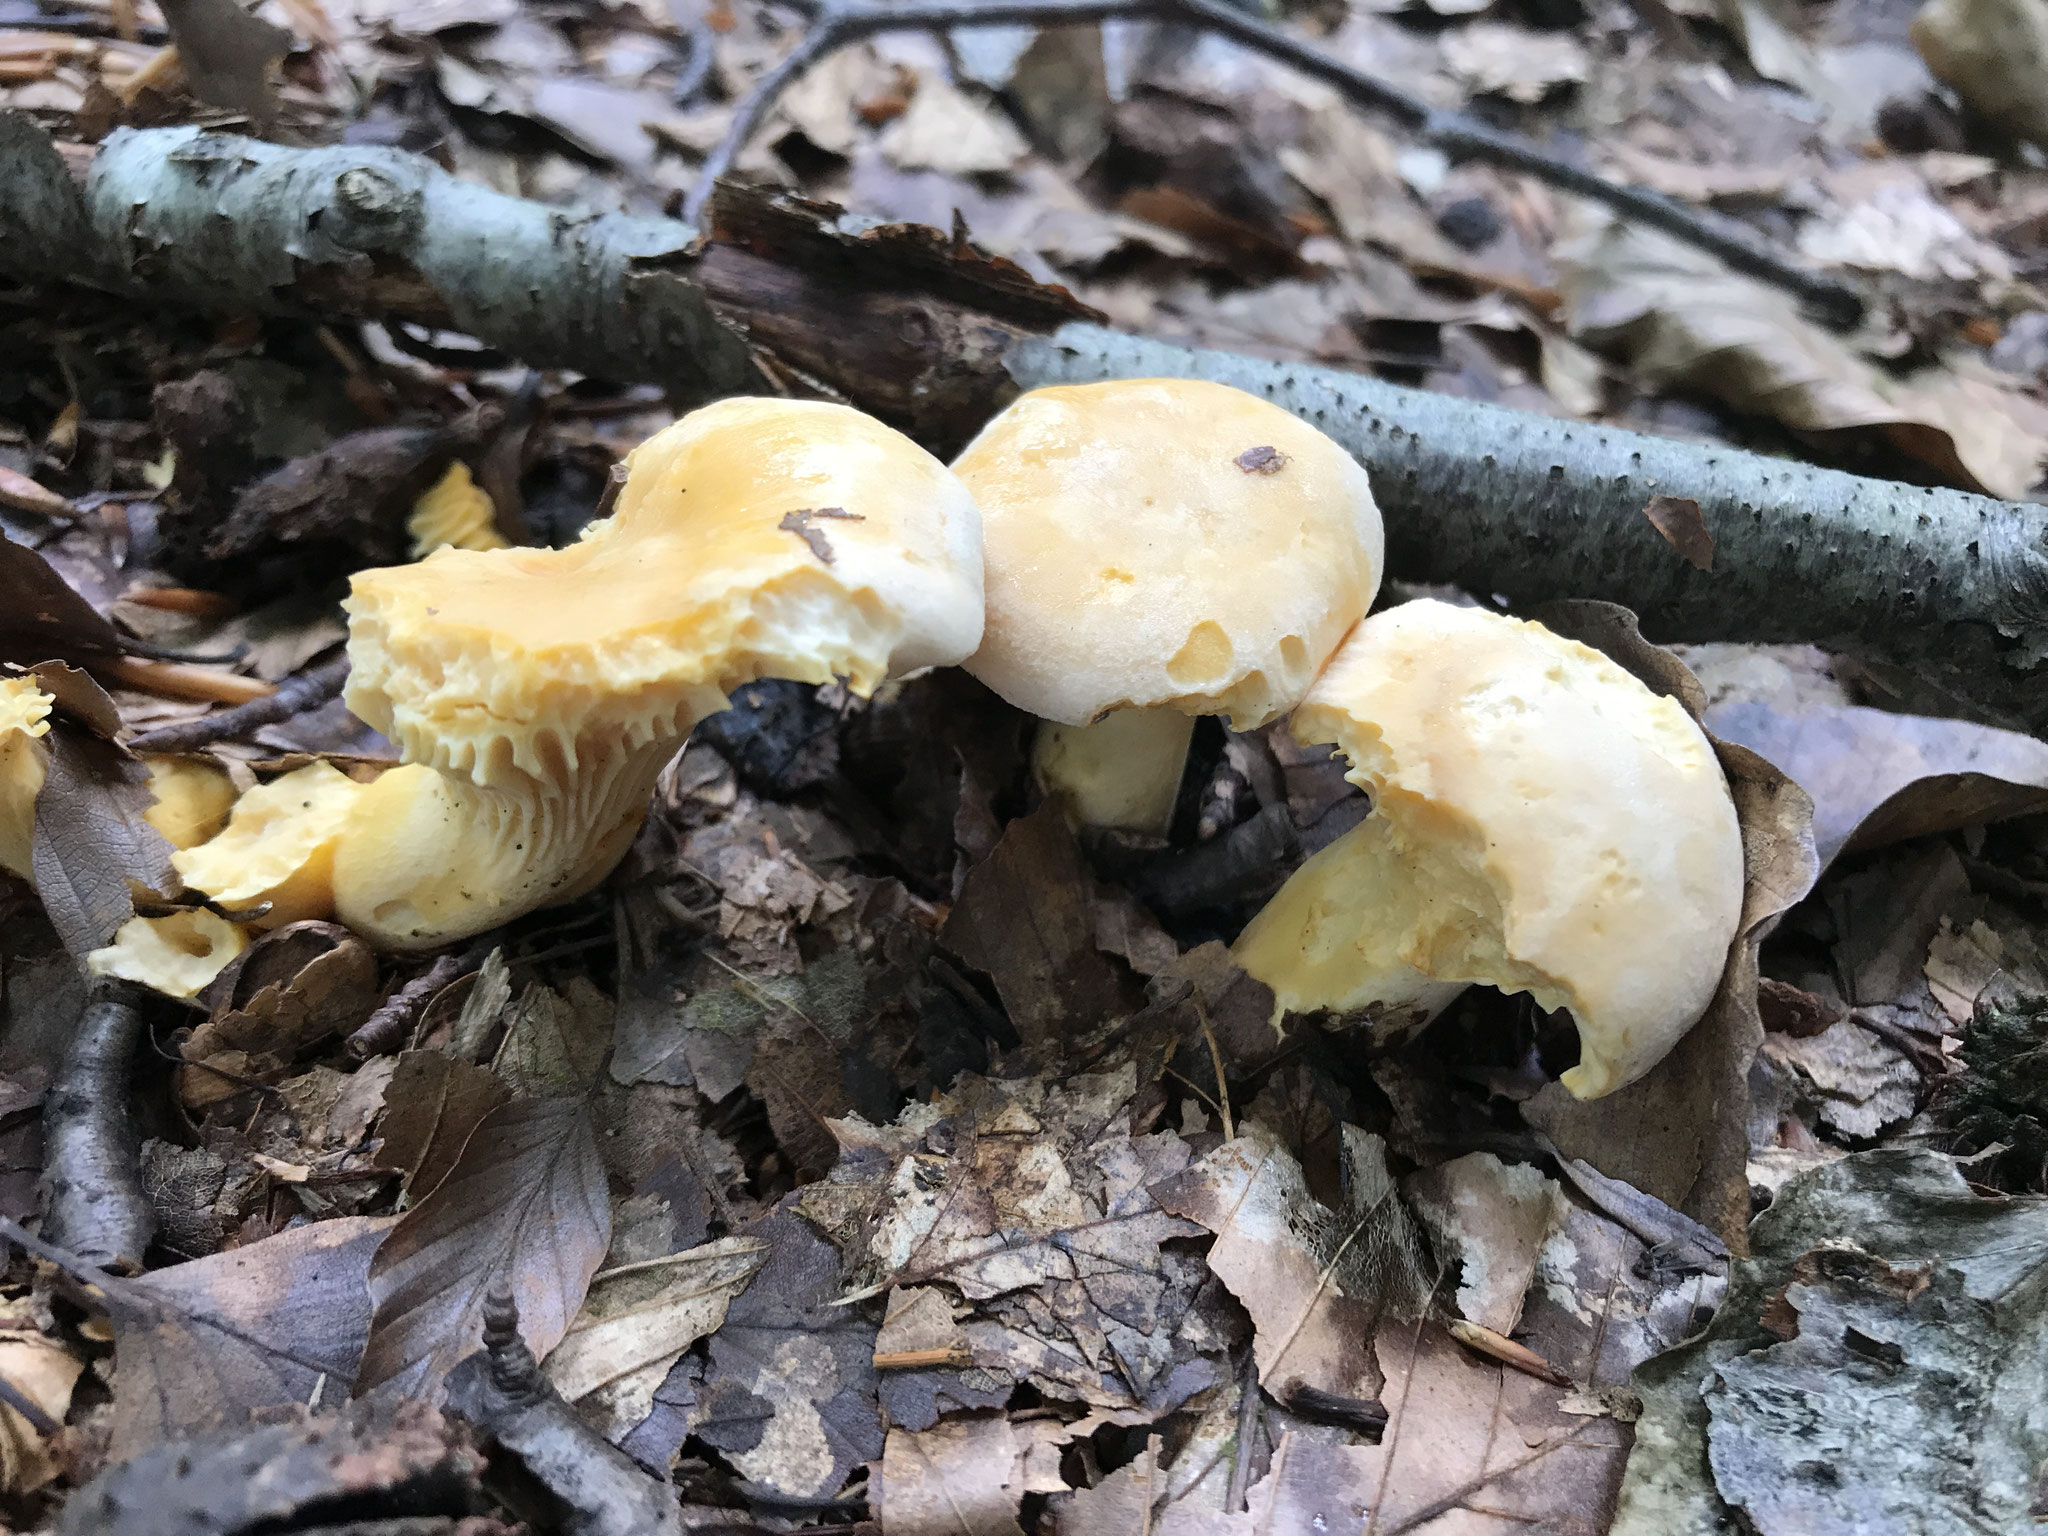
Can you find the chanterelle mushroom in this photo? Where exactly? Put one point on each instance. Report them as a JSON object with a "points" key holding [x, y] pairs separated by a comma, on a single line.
{"points": [[536, 694], [1541, 822], [1160, 549], [24, 718]]}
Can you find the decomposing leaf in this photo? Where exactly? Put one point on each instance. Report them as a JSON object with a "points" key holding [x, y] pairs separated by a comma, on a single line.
{"points": [[946, 130], [1685, 530], [555, 1041], [384, 1468], [1993, 54], [789, 1398], [41, 616], [227, 54], [432, 1106], [1024, 918], [43, 1371], [1682, 320], [1492, 1218], [636, 1322], [1873, 1366], [1524, 66], [294, 987], [202, 1345], [966, 1477], [91, 840], [1316, 1282], [526, 1206]]}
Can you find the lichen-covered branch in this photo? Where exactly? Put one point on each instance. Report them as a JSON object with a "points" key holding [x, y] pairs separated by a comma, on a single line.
{"points": [[1951, 584]]}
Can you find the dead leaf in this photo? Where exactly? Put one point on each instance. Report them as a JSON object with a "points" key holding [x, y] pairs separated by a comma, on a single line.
{"points": [[946, 130], [555, 1042], [966, 1477], [433, 1105], [1993, 54], [1494, 58], [41, 616], [202, 1345], [1682, 320], [1316, 1282], [43, 1371], [789, 1398], [227, 54], [1493, 1219], [1056, 985], [294, 987], [637, 1321], [91, 840], [527, 1206], [1678, 518]]}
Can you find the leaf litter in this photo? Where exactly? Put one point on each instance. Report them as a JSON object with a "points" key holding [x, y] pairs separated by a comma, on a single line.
{"points": [[828, 1188]]}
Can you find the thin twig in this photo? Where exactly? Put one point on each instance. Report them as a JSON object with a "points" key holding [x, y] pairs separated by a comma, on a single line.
{"points": [[91, 1152], [395, 1017], [1247, 1431], [294, 696], [836, 23], [1216, 1060]]}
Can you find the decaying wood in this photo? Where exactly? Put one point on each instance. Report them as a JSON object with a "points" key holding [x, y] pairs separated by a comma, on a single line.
{"points": [[91, 1150], [917, 326]]}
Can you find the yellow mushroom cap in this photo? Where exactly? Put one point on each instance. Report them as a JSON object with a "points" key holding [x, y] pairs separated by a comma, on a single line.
{"points": [[191, 799], [1165, 542], [1542, 822], [455, 512], [24, 717], [753, 538], [177, 955], [278, 847]]}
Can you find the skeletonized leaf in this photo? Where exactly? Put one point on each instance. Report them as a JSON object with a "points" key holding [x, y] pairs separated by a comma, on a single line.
{"points": [[526, 1206], [200, 1346], [639, 1319]]}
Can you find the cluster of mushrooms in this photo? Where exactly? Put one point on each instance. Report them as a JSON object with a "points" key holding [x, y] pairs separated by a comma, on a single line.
{"points": [[1116, 559]]}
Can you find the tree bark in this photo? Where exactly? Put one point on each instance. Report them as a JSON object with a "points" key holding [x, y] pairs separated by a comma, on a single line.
{"points": [[920, 328]]}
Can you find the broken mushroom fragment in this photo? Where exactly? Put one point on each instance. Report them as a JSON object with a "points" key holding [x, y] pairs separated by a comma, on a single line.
{"points": [[177, 955], [24, 720], [1542, 822], [278, 847], [1160, 549], [454, 512], [536, 694], [189, 799]]}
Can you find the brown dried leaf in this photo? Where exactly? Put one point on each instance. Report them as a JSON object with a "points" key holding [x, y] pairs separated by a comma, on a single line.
{"points": [[1316, 1282], [433, 1105], [966, 1477], [227, 54], [526, 1206], [91, 840], [41, 616], [555, 1042], [1679, 519], [1683, 320], [202, 1345], [292, 988], [1025, 918], [44, 1371]]}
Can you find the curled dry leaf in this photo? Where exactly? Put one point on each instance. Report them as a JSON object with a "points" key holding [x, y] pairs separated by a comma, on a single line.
{"points": [[43, 1371], [1685, 530], [1682, 320], [526, 1206], [637, 1321]]}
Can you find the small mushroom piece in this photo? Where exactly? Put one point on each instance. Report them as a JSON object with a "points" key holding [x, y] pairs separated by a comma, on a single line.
{"points": [[536, 694], [453, 512], [177, 955], [190, 799], [1160, 549], [24, 720], [278, 847], [1542, 823]]}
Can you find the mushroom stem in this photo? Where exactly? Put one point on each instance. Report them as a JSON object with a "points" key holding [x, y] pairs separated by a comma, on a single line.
{"points": [[432, 857], [1122, 772]]}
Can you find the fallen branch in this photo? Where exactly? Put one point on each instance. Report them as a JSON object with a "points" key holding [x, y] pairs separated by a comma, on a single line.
{"points": [[836, 23], [396, 1016], [925, 331], [294, 696], [91, 1152]]}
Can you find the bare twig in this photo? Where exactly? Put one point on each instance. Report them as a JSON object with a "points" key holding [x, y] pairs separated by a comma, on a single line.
{"points": [[836, 23], [394, 1019], [294, 696], [92, 1155]]}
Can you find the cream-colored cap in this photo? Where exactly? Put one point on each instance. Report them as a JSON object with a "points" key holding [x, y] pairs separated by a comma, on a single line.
{"points": [[24, 720], [1541, 822], [1165, 542], [536, 693], [278, 846]]}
